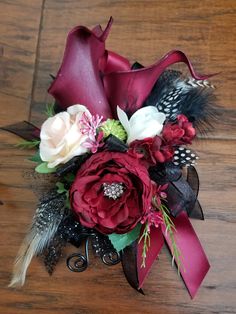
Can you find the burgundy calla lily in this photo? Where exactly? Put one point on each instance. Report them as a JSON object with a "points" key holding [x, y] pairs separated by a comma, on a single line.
{"points": [[101, 80]]}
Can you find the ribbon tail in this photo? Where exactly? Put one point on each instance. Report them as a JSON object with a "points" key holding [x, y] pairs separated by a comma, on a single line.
{"points": [[193, 181], [194, 263], [129, 264], [197, 212], [23, 129], [156, 244]]}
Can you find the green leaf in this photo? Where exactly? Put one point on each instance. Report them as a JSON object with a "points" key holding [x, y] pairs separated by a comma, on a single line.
{"points": [[120, 241], [60, 188], [43, 168], [36, 158]]}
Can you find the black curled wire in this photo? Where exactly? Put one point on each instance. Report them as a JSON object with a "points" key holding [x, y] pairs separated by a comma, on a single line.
{"points": [[111, 258], [78, 262]]}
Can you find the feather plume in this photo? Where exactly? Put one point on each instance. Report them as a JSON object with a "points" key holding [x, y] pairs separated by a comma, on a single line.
{"points": [[52, 254], [45, 223], [69, 231], [174, 94]]}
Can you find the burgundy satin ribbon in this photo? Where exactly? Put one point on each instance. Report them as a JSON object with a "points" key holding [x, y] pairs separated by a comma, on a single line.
{"points": [[156, 243], [194, 263]]}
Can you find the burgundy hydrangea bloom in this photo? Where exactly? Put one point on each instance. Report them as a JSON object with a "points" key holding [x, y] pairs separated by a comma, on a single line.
{"points": [[179, 133], [152, 150]]}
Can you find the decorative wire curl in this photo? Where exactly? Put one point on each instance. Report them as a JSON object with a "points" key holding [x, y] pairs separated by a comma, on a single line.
{"points": [[78, 262]]}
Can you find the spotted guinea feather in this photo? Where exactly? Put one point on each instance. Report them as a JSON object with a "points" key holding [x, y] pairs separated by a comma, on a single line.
{"points": [[174, 94], [47, 218]]}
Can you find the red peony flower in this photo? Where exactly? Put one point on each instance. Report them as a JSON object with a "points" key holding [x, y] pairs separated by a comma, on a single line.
{"points": [[181, 133], [152, 150], [112, 192]]}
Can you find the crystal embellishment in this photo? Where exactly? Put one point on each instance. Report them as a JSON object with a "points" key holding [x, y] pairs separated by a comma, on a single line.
{"points": [[113, 190]]}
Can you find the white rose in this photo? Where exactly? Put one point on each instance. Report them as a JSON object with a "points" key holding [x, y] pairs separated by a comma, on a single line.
{"points": [[61, 136], [145, 122]]}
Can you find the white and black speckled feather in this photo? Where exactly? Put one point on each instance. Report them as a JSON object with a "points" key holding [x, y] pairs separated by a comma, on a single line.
{"points": [[184, 157], [46, 220], [173, 94]]}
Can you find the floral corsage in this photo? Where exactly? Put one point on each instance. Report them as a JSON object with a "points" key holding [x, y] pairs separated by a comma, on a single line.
{"points": [[115, 146]]}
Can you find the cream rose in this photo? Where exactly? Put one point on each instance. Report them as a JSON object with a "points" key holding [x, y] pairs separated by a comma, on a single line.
{"points": [[61, 137]]}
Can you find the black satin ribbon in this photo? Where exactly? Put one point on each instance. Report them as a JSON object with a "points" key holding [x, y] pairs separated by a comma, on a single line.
{"points": [[72, 165], [24, 129], [181, 193], [113, 144], [129, 264], [193, 181]]}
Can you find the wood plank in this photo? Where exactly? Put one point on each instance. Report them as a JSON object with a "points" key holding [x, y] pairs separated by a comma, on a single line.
{"points": [[19, 26], [103, 289], [204, 30], [143, 30]]}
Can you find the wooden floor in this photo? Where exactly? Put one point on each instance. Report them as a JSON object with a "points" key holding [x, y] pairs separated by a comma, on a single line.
{"points": [[32, 41]]}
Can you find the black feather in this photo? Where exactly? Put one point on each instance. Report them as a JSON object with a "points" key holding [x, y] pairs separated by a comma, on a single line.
{"points": [[53, 253], [164, 92], [198, 105], [173, 94], [69, 231]]}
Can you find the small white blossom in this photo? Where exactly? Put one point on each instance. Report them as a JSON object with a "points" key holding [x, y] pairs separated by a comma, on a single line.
{"points": [[145, 122]]}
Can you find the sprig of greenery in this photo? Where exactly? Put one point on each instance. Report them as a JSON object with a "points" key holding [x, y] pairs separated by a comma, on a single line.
{"points": [[146, 243], [28, 144], [61, 189], [36, 158], [170, 229], [50, 111]]}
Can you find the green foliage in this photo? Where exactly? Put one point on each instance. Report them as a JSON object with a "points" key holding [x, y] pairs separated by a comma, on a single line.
{"points": [[50, 112], [43, 168], [28, 144], [170, 229], [120, 241], [36, 158], [61, 188], [146, 243]]}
